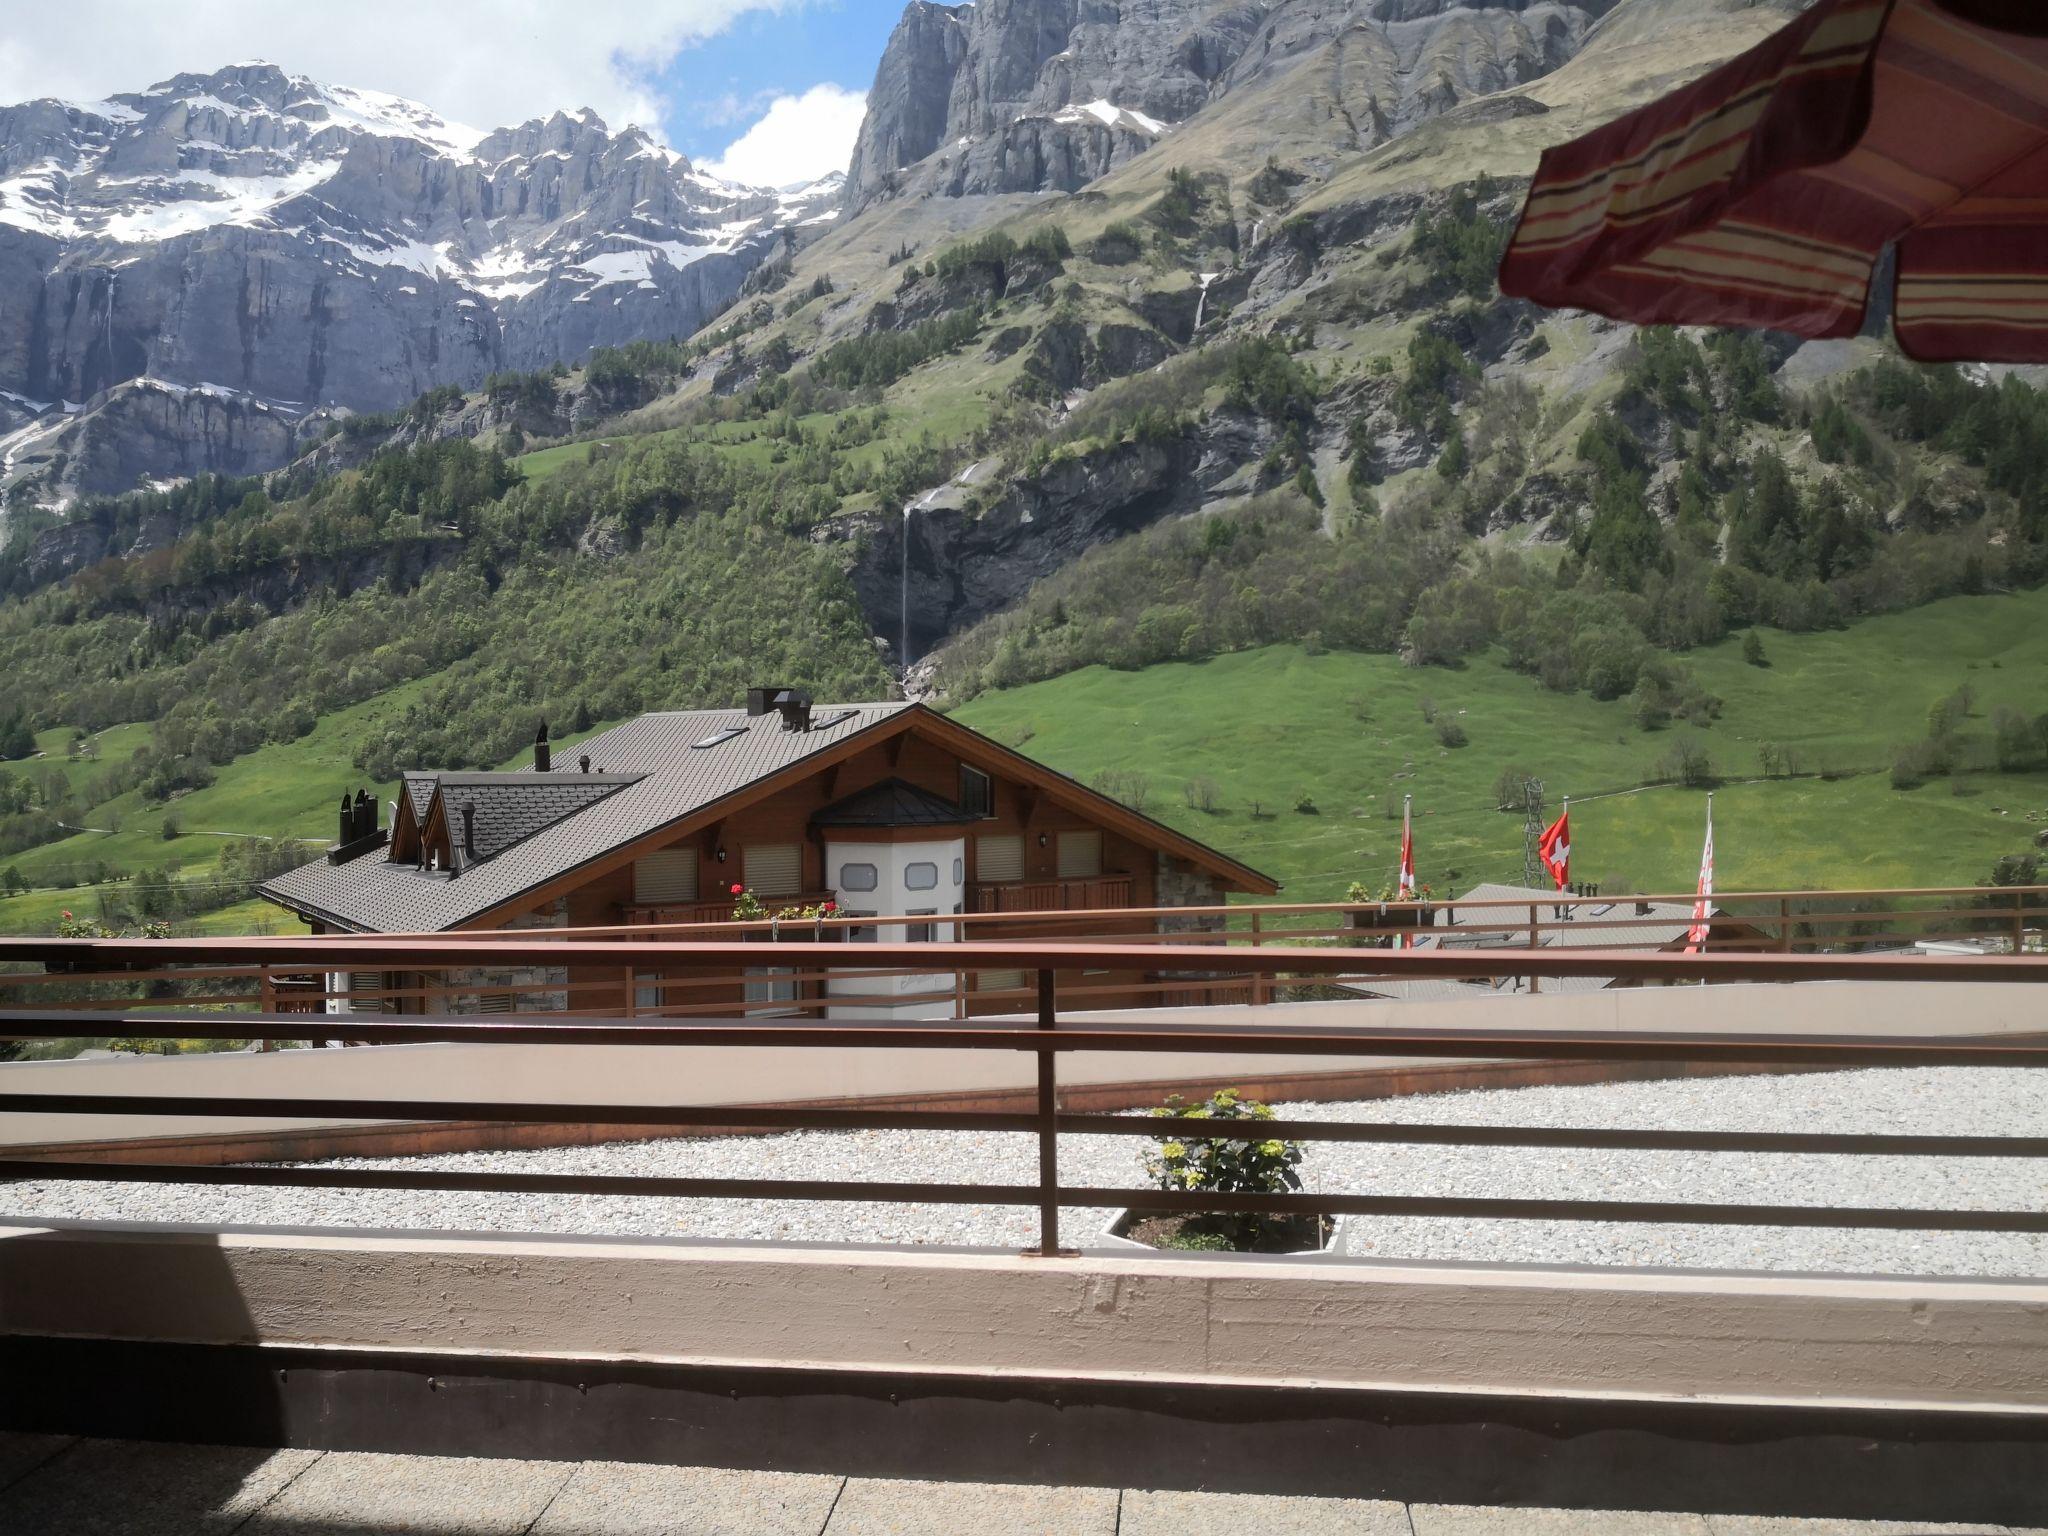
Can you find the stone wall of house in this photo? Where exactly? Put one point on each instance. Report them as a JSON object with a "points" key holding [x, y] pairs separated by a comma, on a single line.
{"points": [[1178, 886], [539, 985]]}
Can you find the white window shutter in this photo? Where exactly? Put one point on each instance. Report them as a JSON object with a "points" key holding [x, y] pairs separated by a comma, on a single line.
{"points": [[773, 869], [998, 859], [667, 878], [1080, 855]]}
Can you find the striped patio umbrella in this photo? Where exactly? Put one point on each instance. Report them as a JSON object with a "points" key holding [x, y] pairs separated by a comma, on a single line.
{"points": [[1764, 193]]}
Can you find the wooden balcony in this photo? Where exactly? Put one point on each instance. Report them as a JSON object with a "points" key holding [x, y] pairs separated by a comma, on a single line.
{"points": [[1104, 893]]}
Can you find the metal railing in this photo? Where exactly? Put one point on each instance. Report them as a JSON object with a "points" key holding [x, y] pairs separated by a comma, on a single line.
{"points": [[1044, 1036]]}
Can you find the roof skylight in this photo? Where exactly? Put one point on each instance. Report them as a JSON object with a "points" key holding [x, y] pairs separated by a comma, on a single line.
{"points": [[718, 738]]}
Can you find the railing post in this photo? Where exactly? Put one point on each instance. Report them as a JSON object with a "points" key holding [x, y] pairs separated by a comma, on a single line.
{"points": [[1784, 925], [268, 987], [1048, 1128], [2019, 923], [1535, 981], [1259, 992]]}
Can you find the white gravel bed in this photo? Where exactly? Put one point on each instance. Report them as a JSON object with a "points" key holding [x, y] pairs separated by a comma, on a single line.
{"points": [[1933, 1101]]}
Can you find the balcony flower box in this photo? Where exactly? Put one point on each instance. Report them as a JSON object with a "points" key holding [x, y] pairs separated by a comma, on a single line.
{"points": [[1391, 919]]}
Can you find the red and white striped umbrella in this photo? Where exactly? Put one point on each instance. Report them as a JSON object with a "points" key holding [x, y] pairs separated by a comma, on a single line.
{"points": [[1764, 193]]}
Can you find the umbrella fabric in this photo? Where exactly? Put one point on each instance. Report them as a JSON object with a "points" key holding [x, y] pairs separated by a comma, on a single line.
{"points": [[1764, 193]]}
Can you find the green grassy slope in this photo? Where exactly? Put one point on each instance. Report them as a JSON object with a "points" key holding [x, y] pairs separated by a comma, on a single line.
{"points": [[286, 790], [1348, 730]]}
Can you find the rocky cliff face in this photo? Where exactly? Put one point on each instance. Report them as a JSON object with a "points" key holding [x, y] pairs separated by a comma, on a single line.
{"points": [[1034, 95], [294, 245]]}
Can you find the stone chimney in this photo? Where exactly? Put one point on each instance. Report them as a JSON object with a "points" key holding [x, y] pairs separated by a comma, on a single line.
{"points": [[543, 754]]}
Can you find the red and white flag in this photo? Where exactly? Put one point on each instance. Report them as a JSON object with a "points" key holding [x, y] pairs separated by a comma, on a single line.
{"points": [[1554, 847], [1404, 888], [1696, 935]]}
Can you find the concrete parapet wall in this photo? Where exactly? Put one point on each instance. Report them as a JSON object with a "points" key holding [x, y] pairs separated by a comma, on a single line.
{"points": [[1664, 1336]]}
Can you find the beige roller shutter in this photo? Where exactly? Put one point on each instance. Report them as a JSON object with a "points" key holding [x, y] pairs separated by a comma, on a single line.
{"points": [[1080, 855], [773, 869], [667, 878], [997, 859]]}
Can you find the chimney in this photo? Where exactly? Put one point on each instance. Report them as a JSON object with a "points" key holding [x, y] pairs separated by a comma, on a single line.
{"points": [[469, 829], [543, 755], [583, 763], [1642, 909], [346, 832], [365, 815]]}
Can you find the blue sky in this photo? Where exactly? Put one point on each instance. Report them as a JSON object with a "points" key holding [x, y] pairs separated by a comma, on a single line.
{"points": [[723, 85]]}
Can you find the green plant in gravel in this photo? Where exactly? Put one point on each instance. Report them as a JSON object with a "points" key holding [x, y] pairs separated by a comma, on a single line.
{"points": [[1252, 1164]]}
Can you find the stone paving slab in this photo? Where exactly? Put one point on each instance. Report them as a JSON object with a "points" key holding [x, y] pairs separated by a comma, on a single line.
{"points": [[1469, 1520], [350, 1495], [141, 1488], [1251, 1514], [606, 1498], [21, 1454], [886, 1507]]}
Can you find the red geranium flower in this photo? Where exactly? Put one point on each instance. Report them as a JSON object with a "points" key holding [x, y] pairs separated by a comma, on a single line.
{"points": [[831, 906], [736, 890]]}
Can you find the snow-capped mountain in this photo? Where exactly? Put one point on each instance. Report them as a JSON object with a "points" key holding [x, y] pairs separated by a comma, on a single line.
{"points": [[188, 270]]}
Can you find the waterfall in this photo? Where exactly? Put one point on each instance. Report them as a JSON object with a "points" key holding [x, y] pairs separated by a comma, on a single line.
{"points": [[1202, 302], [113, 278], [909, 507]]}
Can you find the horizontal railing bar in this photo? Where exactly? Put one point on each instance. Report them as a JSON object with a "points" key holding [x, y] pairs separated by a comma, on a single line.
{"points": [[79, 956], [1158, 1128], [737, 1116], [1180, 1128], [1137, 1035], [446, 1180]]}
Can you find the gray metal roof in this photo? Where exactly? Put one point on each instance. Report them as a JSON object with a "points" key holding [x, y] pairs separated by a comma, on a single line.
{"points": [[677, 780], [1586, 930]]}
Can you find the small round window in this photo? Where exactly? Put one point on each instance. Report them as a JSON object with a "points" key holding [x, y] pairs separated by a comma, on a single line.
{"points": [[920, 876], [959, 870], [858, 877]]}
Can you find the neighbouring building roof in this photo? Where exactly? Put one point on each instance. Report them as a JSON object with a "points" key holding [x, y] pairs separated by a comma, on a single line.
{"points": [[893, 803], [652, 774], [1664, 924], [511, 807], [670, 779]]}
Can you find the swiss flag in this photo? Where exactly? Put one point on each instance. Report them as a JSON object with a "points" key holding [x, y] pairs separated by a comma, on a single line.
{"points": [[1554, 848]]}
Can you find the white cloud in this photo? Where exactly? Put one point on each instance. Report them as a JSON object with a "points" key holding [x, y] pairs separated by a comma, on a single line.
{"points": [[799, 139], [487, 63]]}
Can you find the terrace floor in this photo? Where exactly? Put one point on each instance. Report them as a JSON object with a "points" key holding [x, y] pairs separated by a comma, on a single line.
{"points": [[56, 1486]]}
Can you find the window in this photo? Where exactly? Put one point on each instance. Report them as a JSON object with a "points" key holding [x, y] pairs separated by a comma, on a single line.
{"points": [[494, 1002], [858, 877], [1080, 855], [647, 993], [667, 878], [977, 794], [365, 982], [919, 933], [773, 869], [959, 870], [770, 985], [998, 981], [921, 876], [997, 859], [718, 738], [860, 933]]}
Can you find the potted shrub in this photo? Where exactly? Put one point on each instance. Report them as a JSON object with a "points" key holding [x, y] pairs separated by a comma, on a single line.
{"points": [[1249, 1164]]}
